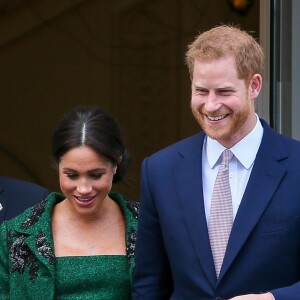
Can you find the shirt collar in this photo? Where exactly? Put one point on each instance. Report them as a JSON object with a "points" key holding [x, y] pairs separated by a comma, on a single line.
{"points": [[242, 151]]}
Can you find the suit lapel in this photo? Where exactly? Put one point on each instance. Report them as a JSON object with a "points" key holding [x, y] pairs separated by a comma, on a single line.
{"points": [[188, 181], [266, 175]]}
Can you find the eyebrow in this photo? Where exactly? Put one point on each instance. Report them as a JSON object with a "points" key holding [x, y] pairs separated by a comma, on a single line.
{"points": [[90, 171], [225, 88]]}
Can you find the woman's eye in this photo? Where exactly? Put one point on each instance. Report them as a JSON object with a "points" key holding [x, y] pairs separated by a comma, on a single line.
{"points": [[71, 175], [96, 175]]}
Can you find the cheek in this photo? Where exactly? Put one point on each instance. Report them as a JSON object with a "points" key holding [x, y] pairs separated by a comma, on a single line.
{"points": [[243, 105], [102, 185], [105, 184], [65, 184], [196, 102], [237, 103]]}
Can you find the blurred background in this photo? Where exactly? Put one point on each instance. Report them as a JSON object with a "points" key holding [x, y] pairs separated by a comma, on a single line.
{"points": [[126, 56]]}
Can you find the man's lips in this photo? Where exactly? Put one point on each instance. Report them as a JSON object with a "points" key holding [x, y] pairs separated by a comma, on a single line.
{"points": [[216, 118]]}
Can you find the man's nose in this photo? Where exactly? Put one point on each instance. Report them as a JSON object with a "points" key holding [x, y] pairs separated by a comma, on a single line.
{"points": [[212, 102]]}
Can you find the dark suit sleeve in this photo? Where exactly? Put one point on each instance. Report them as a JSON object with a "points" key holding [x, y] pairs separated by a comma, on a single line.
{"points": [[152, 279], [290, 293], [18, 195]]}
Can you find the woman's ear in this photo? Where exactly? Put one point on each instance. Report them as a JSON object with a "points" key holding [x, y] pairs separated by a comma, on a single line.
{"points": [[120, 159]]}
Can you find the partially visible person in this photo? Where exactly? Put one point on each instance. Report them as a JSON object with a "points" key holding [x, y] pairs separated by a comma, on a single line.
{"points": [[220, 210], [17, 195], [79, 244]]}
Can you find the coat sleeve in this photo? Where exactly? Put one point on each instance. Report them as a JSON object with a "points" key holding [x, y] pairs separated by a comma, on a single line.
{"points": [[291, 292], [4, 263], [152, 277]]}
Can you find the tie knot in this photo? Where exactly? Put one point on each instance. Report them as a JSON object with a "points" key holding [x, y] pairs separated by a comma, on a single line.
{"points": [[226, 157]]}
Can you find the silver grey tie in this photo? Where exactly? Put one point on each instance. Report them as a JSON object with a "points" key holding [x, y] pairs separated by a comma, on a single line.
{"points": [[221, 215]]}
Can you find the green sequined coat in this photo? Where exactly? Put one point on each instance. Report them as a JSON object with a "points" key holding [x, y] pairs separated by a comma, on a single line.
{"points": [[27, 260]]}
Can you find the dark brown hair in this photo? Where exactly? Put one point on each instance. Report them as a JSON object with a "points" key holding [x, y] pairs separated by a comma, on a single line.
{"points": [[92, 127]]}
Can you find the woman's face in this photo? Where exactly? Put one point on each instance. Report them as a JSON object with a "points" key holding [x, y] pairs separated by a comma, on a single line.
{"points": [[85, 179]]}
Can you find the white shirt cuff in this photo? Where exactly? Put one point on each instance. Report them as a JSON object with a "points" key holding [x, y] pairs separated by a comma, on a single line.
{"points": [[272, 295]]}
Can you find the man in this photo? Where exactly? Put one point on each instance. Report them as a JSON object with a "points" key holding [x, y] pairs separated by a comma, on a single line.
{"points": [[183, 220], [17, 195]]}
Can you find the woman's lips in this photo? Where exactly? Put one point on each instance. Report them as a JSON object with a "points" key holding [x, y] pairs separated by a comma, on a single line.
{"points": [[85, 200]]}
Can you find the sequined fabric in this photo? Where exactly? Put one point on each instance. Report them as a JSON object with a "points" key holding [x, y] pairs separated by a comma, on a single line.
{"points": [[92, 277], [133, 207], [21, 256], [35, 215]]}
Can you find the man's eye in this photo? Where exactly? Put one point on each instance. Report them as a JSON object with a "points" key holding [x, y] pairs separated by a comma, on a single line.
{"points": [[201, 92], [226, 92]]}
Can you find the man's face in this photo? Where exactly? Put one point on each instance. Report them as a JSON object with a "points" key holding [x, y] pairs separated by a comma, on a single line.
{"points": [[221, 102]]}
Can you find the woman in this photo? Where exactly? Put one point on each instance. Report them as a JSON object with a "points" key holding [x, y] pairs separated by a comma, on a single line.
{"points": [[78, 245]]}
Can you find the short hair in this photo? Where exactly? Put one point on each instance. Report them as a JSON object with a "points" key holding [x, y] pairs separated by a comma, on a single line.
{"points": [[224, 41], [92, 127]]}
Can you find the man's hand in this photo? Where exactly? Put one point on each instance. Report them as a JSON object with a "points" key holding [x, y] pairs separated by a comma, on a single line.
{"points": [[266, 296]]}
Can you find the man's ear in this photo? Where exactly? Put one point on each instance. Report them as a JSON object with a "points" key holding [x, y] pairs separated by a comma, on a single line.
{"points": [[255, 85]]}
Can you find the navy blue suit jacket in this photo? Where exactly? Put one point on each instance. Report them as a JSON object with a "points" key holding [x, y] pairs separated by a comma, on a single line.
{"points": [[17, 195], [173, 254]]}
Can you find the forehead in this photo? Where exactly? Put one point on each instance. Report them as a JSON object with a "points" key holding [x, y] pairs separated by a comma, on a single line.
{"points": [[215, 70], [227, 61], [82, 156]]}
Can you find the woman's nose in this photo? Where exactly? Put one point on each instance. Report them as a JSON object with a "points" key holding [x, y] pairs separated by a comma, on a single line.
{"points": [[84, 187]]}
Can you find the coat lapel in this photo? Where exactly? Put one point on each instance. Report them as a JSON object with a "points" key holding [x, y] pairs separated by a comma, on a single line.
{"points": [[266, 175], [37, 230], [188, 181]]}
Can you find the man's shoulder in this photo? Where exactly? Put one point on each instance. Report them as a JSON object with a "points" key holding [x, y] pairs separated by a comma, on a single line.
{"points": [[188, 144], [272, 136], [13, 184]]}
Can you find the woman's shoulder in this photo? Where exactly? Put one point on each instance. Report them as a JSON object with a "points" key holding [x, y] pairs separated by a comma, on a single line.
{"points": [[127, 205]]}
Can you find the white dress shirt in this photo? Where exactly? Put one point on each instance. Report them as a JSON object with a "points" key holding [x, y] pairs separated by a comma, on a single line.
{"points": [[240, 166]]}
